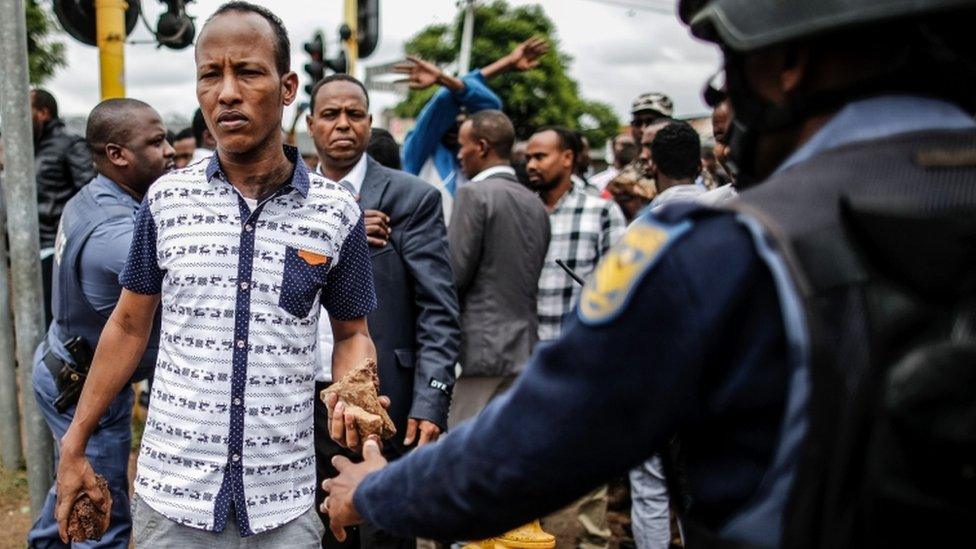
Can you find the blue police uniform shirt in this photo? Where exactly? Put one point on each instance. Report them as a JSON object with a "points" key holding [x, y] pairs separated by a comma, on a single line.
{"points": [[709, 343], [107, 249], [878, 117], [103, 256]]}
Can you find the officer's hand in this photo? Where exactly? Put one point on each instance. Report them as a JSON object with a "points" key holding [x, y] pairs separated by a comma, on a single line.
{"points": [[342, 426], [75, 478], [429, 432], [377, 228], [341, 489]]}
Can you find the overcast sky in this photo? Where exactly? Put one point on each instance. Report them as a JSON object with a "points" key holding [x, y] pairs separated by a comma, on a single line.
{"points": [[618, 52]]}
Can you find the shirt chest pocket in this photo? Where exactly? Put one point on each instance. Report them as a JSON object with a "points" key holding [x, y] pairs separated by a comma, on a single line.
{"points": [[304, 275]]}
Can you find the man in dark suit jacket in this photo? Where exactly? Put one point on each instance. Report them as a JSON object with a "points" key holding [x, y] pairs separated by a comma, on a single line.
{"points": [[415, 328], [499, 235]]}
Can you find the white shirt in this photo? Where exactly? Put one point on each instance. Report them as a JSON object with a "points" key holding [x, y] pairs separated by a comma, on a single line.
{"points": [[354, 178], [602, 179], [694, 193], [428, 172], [719, 196], [326, 344], [677, 193], [492, 171]]}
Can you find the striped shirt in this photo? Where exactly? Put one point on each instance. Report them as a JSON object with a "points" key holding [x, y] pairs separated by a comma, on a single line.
{"points": [[230, 420], [584, 227]]}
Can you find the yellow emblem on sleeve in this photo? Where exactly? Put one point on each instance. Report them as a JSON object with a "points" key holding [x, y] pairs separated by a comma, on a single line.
{"points": [[619, 272]]}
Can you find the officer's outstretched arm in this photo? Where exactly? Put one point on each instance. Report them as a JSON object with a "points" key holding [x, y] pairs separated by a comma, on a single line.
{"points": [[604, 397], [120, 347]]}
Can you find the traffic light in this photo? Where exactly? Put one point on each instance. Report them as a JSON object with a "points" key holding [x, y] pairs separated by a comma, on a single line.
{"points": [[317, 64], [175, 28], [315, 68], [77, 17], [367, 26], [338, 63]]}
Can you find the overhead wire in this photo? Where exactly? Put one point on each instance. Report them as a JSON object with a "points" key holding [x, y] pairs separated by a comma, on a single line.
{"points": [[664, 7]]}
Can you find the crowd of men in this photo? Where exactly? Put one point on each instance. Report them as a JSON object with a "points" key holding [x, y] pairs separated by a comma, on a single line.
{"points": [[737, 333]]}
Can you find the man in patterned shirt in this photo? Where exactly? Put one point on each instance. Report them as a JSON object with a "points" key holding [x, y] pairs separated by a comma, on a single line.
{"points": [[240, 251], [583, 225]]}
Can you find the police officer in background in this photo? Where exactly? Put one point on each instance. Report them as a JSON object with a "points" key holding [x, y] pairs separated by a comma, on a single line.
{"points": [[811, 350], [127, 139]]}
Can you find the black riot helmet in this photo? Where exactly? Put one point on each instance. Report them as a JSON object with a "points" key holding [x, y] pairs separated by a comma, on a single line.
{"points": [[932, 53], [748, 25]]}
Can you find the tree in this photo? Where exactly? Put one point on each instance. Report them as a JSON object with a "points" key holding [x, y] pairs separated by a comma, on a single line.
{"points": [[542, 96], [44, 56]]}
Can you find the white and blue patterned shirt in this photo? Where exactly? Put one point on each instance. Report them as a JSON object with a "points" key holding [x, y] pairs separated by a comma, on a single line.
{"points": [[230, 420]]}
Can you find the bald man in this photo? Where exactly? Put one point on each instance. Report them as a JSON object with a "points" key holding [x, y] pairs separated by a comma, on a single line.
{"points": [[127, 139]]}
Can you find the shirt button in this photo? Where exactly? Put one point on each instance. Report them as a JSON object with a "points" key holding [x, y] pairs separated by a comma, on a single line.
{"points": [[240, 344], [237, 401], [248, 227], [244, 285], [235, 457]]}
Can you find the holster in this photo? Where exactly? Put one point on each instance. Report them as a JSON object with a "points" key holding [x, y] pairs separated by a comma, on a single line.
{"points": [[69, 378]]}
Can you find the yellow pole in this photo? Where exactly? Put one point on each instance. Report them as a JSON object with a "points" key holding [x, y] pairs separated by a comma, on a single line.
{"points": [[352, 45], [110, 32]]}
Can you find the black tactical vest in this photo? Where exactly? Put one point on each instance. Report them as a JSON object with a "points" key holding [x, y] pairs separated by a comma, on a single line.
{"points": [[881, 239]]}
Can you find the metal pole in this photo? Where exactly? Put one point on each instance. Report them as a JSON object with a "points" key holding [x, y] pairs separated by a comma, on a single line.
{"points": [[352, 45], [467, 35], [11, 450], [21, 196], [110, 33]]}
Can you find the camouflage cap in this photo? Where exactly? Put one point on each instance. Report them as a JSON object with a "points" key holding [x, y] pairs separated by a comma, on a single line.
{"points": [[653, 101]]}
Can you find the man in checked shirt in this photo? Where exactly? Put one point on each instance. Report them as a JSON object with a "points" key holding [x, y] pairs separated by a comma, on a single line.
{"points": [[240, 249], [583, 225]]}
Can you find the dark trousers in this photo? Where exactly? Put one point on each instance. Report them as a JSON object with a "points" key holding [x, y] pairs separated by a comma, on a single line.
{"points": [[365, 536]]}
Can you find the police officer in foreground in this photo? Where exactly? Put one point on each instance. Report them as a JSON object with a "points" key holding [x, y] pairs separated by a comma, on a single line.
{"points": [[812, 351], [127, 139]]}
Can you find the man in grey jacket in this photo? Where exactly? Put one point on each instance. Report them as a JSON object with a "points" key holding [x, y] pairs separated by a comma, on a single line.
{"points": [[498, 235]]}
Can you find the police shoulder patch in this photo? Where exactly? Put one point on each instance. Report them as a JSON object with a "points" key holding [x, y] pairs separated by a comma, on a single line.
{"points": [[615, 278]]}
